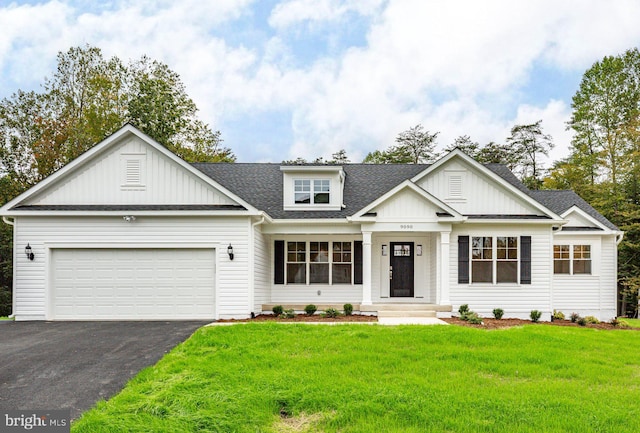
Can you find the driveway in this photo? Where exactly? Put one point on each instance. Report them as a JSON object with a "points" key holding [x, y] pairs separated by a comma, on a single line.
{"points": [[60, 365]]}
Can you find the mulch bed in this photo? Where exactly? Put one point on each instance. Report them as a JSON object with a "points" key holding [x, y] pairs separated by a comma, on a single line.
{"points": [[486, 323], [508, 323]]}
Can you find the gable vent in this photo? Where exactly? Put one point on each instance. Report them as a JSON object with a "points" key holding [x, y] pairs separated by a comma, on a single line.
{"points": [[455, 186], [133, 172]]}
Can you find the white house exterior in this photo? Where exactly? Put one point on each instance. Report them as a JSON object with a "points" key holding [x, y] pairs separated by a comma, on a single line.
{"points": [[129, 231]]}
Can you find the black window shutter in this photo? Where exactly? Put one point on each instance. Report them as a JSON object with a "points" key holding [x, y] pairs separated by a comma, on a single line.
{"points": [[463, 259], [357, 262], [278, 260], [525, 259]]}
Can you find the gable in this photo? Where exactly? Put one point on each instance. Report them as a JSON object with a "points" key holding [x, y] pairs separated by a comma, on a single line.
{"points": [[129, 172], [577, 220], [471, 191], [407, 205]]}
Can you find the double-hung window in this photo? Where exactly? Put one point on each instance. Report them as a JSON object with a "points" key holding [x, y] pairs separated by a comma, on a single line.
{"points": [[572, 259], [312, 191], [494, 259], [296, 262], [318, 262], [341, 270]]}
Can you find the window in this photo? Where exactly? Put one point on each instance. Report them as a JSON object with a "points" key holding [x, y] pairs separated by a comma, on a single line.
{"points": [[494, 259], [308, 191], [341, 272], [315, 262], [296, 262], [572, 260], [507, 260], [319, 262]]}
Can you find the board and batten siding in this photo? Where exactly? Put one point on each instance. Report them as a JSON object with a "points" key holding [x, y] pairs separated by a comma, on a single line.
{"points": [[594, 294], [475, 194], [517, 300], [32, 284], [102, 181]]}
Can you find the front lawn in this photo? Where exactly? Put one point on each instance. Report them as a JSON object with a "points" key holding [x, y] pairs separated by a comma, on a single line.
{"points": [[634, 323], [361, 378]]}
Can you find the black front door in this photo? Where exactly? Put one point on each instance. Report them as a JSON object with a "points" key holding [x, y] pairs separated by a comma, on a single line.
{"points": [[401, 270]]}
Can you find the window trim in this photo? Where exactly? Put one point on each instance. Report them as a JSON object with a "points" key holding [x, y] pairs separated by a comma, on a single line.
{"points": [[494, 260], [330, 262], [571, 247]]}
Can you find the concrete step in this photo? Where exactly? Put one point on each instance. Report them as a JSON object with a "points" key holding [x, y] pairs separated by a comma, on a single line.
{"points": [[405, 307], [413, 313]]}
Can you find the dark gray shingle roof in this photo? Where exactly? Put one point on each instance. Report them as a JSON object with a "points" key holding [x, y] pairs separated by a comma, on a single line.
{"points": [[261, 185]]}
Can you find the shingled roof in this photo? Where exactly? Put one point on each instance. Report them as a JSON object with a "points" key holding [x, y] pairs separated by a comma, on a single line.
{"points": [[260, 184]]}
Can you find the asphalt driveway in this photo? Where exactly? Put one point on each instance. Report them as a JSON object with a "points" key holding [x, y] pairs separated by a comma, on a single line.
{"points": [[72, 365]]}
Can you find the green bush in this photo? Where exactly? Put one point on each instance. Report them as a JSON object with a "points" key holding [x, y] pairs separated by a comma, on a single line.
{"points": [[535, 315], [592, 319], [581, 321], [277, 310], [310, 309], [348, 309], [287, 314], [472, 317], [464, 309], [574, 317], [557, 315], [331, 312], [617, 323], [498, 313], [5, 301]]}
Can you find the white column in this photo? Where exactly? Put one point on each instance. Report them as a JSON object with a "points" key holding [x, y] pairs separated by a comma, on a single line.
{"points": [[366, 268], [443, 295]]}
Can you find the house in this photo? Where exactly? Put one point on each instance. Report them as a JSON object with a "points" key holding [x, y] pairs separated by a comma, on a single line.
{"points": [[130, 231]]}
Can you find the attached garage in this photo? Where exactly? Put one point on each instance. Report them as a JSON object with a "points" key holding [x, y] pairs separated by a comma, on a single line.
{"points": [[132, 283]]}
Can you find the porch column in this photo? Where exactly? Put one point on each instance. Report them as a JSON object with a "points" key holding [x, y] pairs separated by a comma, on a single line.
{"points": [[443, 295], [366, 268]]}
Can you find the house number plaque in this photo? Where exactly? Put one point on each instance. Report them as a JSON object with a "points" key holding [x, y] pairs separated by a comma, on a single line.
{"points": [[406, 226]]}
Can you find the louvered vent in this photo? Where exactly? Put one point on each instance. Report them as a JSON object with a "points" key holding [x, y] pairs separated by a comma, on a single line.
{"points": [[133, 172], [455, 186]]}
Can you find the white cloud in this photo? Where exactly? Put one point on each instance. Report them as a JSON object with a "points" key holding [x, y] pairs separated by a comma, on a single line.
{"points": [[293, 12]]}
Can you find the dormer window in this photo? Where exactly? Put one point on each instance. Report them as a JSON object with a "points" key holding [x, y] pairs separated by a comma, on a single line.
{"points": [[312, 191]]}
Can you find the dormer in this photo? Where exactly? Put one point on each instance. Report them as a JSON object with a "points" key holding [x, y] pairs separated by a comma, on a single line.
{"points": [[312, 187]]}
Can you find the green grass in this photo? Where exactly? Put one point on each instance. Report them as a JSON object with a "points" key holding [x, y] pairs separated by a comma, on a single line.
{"points": [[634, 323], [5, 318], [358, 378]]}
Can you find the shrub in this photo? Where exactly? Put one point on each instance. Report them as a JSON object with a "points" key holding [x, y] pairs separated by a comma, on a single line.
{"points": [[581, 321], [557, 315], [310, 309], [498, 313], [592, 319], [277, 310], [348, 309], [574, 317], [331, 312], [5, 301], [464, 309], [535, 315], [472, 317], [287, 314]]}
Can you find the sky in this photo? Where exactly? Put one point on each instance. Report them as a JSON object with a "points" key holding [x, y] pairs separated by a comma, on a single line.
{"points": [[306, 78]]}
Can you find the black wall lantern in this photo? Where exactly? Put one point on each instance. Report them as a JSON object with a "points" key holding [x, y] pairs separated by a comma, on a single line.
{"points": [[230, 252], [28, 252]]}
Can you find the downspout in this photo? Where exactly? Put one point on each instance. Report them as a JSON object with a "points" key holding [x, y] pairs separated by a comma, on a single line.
{"points": [[619, 237], [252, 263], [13, 295]]}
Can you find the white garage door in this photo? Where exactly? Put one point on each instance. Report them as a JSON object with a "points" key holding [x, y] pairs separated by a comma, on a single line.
{"points": [[107, 284]]}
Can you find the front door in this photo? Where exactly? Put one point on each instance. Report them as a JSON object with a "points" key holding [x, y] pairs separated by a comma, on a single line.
{"points": [[401, 270]]}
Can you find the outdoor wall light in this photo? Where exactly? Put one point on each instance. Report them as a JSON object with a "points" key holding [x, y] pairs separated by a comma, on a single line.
{"points": [[129, 218], [230, 252], [29, 252]]}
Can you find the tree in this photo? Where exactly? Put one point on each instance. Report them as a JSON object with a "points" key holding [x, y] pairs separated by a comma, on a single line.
{"points": [[340, 157], [530, 143], [464, 143], [414, 146]]}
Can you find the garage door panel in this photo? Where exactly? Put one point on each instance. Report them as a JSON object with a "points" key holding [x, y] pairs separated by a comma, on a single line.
{"points": [[133, 284]]}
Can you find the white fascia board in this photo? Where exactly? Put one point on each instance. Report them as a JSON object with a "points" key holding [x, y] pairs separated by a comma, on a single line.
{"points": [[360, 215], [457, 153], [104, 145], [311, 168], [523, 222]]}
